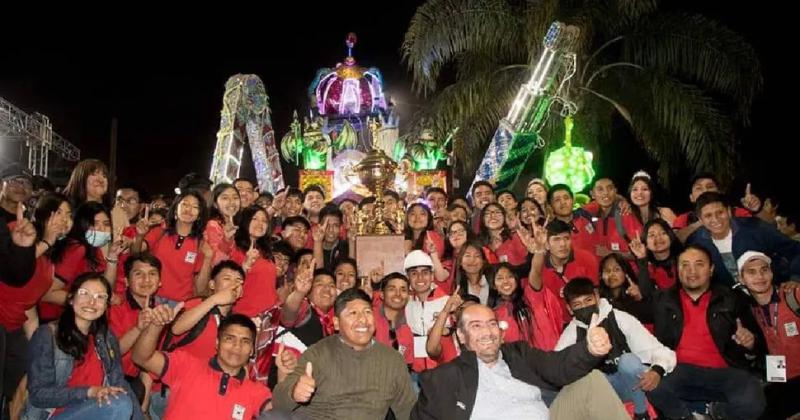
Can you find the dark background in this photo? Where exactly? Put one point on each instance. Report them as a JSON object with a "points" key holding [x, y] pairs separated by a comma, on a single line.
{"points": [[163, 78]]}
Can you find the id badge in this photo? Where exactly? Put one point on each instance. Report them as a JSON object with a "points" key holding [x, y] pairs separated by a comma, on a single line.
{"points": [[614, 246], [791, 329], [419, 346], [238, 412], [776, 368]]}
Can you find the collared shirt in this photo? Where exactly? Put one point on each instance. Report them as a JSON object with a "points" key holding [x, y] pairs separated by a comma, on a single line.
{"points": [[500, 395], [201, 390]]}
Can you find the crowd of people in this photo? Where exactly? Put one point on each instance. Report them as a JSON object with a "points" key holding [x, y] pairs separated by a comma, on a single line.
{"points": [[226, 302]]}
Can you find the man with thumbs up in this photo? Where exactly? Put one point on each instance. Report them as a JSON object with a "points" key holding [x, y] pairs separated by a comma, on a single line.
{"points": [[715, 338], [348, 375]]}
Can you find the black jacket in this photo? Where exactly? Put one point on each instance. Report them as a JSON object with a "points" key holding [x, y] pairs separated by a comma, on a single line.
{"points": [[449, 391], [17, 264], [725, 307]]}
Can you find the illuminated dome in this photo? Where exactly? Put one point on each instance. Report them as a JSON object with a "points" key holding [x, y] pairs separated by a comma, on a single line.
{"points": [[348, 89]]}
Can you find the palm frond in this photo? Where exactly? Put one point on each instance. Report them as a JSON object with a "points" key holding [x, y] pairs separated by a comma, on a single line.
{"points": [[700, 50], [441, 30]]}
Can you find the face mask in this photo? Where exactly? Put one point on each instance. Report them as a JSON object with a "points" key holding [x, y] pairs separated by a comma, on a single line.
{"points": [[585, 314], [97, 238]]}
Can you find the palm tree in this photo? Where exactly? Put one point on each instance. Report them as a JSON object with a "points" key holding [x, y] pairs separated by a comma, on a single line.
{"points": [[683, 83]]}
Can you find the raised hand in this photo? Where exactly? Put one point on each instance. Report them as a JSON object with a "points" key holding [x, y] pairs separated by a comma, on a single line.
{"points": [[597, 340], [750, 201], [636, 246], [633, 290], [229, 228], [285, 361], [24, 234], [430, 246], [318, 232], [252, 255], [454, 301], [228, 295], [743, 336], [143, 225], [303, 280], [305, 386], [162, 315]]}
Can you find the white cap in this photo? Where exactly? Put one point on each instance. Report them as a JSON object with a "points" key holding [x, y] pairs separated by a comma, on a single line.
{"points": [[417, 258], [752, 255]]}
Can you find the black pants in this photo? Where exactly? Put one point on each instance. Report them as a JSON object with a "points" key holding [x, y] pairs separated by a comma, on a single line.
{"points": [[13, 364], [738, 390], [783, 399]]}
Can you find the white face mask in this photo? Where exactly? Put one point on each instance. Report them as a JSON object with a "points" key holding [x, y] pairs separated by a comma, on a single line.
{"points": [[97, 238]]}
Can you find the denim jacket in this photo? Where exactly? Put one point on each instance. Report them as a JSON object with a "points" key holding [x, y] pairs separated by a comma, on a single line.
{"points": [[49, 369]]}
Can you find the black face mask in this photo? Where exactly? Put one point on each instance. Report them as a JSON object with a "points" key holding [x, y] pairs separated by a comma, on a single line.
{"points": [[585, 314]]}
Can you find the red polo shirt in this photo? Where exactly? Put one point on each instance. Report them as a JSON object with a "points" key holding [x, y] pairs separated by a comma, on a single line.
{"points": [[204, 346], [403, 339], [611, 238], [779, 324], [72, 264], [259, 292], [696, 346], [14, 301], [199, 389], [122, 317], [584, 235], [580, 264], [178, 264]]}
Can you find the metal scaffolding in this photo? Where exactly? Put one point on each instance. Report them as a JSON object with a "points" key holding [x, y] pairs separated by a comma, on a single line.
{"points": [[37, 132]]}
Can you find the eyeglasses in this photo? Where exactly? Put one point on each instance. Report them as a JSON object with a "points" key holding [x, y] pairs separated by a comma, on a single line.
{"points": [[86, 295], [457, 232]]}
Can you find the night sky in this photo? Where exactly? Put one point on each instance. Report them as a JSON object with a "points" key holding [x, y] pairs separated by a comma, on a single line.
{"points": [[163, 78]]}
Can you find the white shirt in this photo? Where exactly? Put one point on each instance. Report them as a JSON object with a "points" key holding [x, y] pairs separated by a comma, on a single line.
{"points": [[724, 245], [501, 396], [483, 294]]}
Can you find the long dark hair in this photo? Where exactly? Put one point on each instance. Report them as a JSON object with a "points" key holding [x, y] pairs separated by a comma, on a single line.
{"points": [[523, 315], [242, 236], [652, 206], [83, 221], [449, 251], [461, 276], [605, 291], [68, 337], [540, 220], [202, 216], [419, 243], [213, 212], [76, 186], [46, 205], [675, 245], [484, 234]]}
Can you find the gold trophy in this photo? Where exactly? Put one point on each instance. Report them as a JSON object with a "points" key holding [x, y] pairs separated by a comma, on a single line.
{"points": [[376, 172]]}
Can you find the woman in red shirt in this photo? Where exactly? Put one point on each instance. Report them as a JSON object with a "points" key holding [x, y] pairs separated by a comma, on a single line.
{"points": [[498, 238], [444, 271], [253, 253], [75, 367], [82, 251], [185, 259], [419, 230], [534, 317], [221, 225], [660, 259]]}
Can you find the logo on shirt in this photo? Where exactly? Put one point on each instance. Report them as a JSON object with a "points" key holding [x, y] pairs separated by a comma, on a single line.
{"points": [[238, 412], [190, 257]]}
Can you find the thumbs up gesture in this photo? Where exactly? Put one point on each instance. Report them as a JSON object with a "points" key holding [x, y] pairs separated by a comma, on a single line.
{"points": [[743, 336], [750, 201], [305, 386], [597, 340]]}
